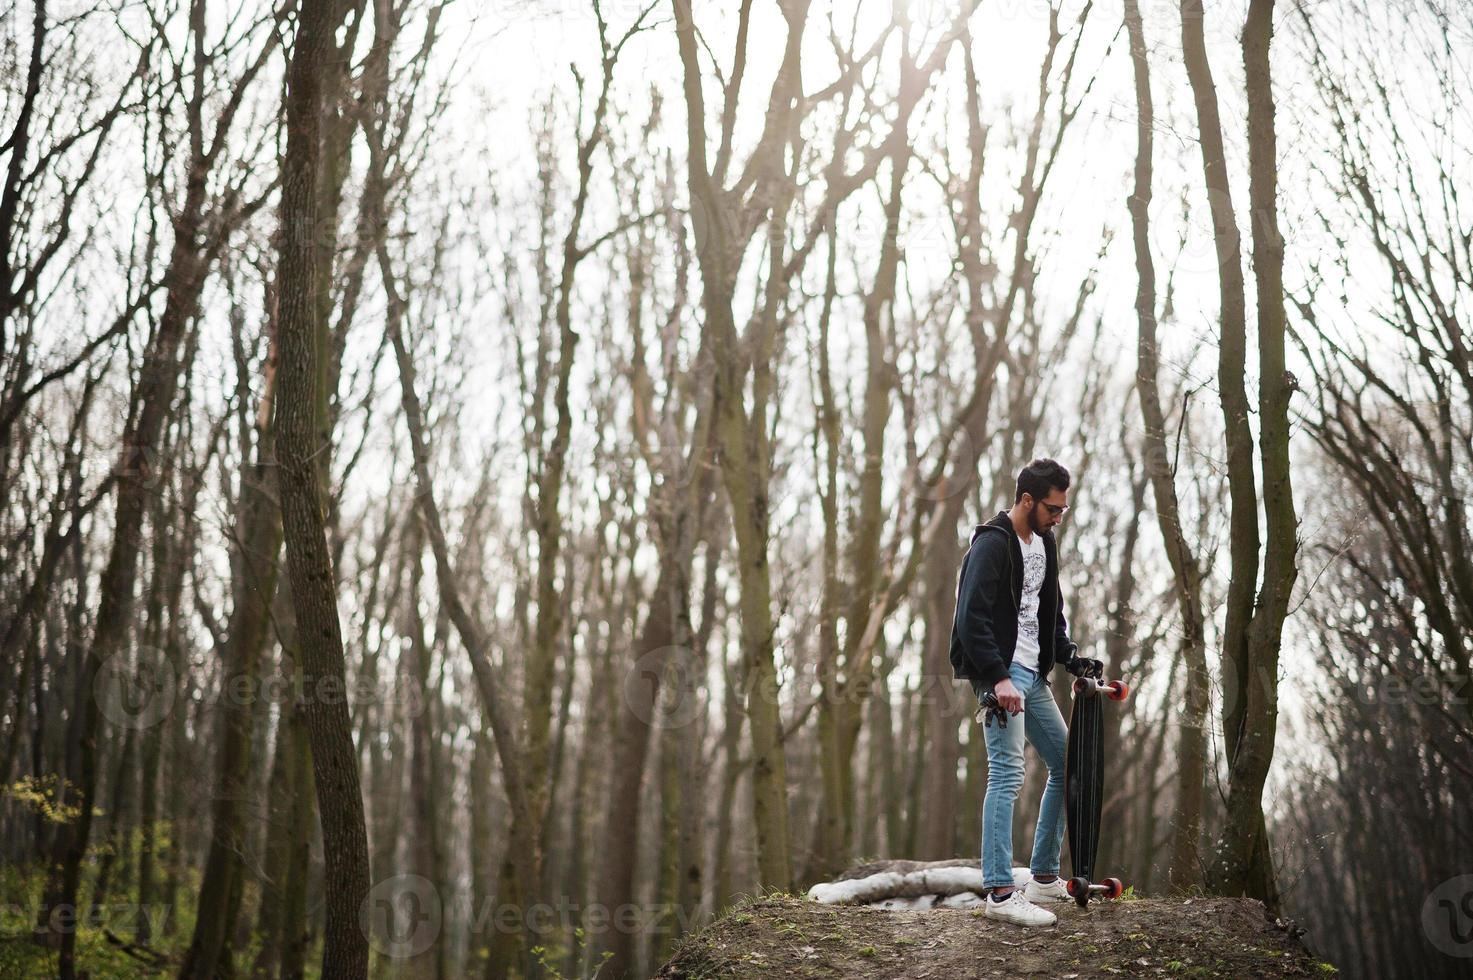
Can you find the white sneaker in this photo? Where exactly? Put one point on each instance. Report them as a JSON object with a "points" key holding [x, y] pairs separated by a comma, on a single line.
{"points": [[1019, 911], [1043, 892]]}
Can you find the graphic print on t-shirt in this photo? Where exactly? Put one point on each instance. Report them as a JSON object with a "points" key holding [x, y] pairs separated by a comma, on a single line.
{"points": [[1034, 559]]}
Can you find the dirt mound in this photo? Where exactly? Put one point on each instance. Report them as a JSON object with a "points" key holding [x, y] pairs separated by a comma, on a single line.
{"points": [[785, 936]]}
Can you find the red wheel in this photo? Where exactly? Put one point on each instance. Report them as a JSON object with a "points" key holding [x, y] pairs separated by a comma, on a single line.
{"points": [[1117, 690], [1076, 887], [1079, 686], [1113, 887]]}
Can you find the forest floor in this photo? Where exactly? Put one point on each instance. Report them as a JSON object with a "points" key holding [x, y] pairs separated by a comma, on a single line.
{"points": [[788, 936]]}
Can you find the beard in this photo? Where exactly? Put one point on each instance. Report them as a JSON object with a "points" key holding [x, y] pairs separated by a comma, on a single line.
{"points": [[1034, 524]]}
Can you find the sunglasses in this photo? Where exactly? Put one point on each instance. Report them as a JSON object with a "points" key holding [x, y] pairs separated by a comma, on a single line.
{"points": [[1055, 510]]}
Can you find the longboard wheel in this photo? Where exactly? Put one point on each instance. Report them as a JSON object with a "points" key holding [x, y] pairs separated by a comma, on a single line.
{"points": [[1079, 686], [1078, 889], [1117, 690], [1113, 887]]}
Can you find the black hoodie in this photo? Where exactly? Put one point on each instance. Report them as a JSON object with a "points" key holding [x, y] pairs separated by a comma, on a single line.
{"points": [[985, 630]]}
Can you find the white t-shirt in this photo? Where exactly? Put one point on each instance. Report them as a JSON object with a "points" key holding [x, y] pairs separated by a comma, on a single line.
{"points": [[1034, 560]]}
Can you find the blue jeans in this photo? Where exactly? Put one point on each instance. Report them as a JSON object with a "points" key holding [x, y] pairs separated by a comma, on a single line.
{"points": [[1045, 729]]}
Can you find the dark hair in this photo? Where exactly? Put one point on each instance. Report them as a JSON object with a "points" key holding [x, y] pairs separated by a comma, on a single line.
{"points": [[1039, 477]]}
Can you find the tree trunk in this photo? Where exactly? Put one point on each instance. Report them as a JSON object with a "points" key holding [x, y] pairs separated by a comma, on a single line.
{"points": [[937, 757], [1243, 541], [731, 736], [482, 847], [1185, 869], [830, 850], [426, 849], [259, 532], [295, 933], [846, 701], [1243, 864], [741, 437], [667, 865], [301, 415], [693, 776], [137, 471], [520, 876], [275, 846], [116, 836], [1121, 636], [667, 626]]}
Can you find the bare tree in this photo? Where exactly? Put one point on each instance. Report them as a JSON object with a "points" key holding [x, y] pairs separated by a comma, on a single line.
{"points": [[1186, 869], [302, 421], [196, 244], [1243, 863], [39, 221], [1390, 413], [1243, 539], [676, 453], [1252, 634]]}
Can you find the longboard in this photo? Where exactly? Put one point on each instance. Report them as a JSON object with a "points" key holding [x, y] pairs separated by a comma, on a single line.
{"points": [[1084, 784]]}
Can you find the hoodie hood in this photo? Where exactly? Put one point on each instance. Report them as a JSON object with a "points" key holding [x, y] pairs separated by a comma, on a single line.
{"points": [[1002, 522]]}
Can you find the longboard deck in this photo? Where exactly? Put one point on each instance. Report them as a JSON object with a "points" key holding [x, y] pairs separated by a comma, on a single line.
{"points": [[1084, 781]]}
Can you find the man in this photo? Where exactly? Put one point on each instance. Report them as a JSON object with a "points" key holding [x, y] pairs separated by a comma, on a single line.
{"points": [[1008, 633]]}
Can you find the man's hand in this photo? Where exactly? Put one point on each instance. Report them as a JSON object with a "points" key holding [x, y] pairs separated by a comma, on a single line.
{"points": [[1008, 696], [1084, 666]]}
